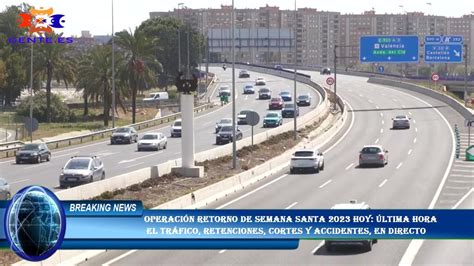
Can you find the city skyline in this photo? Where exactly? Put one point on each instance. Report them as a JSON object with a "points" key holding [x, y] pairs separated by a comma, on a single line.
{"points": [[76, 12]]}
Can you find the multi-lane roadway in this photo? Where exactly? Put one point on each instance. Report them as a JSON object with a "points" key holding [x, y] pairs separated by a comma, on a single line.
{"points": [[119, 159], [420, 174]]}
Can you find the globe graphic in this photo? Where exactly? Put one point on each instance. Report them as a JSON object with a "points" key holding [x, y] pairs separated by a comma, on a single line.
{"points": [[35, 223]]}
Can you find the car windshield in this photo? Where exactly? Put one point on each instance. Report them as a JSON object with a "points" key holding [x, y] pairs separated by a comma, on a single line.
{"points": [[225, 121], [30, 147], [289, 106], [177, 123], [78, 164], [304, 153], [150, 136], [302, 97], [122, 130], [226, 129], [371, 150], [400, 117], [272, 115], [264, 90], [152, 95]]}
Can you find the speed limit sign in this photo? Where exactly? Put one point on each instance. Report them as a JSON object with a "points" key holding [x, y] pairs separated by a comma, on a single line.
{"points": [[330, 81], [435, 77]]}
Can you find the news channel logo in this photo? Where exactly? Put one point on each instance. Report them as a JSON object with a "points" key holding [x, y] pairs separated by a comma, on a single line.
{"points": [[35, 223]]}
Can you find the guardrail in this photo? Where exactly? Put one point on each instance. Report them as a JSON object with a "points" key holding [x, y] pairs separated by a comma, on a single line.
{"points": [[55, 144]]}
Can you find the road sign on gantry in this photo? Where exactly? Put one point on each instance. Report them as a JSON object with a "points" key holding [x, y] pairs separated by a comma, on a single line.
{"points": [[389, 49], [443, 49]]}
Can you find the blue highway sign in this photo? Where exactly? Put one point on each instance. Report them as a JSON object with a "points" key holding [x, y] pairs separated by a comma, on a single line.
{"points": [[443, 49], [389, 49]]}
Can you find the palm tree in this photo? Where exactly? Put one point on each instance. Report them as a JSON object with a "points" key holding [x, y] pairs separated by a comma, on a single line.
{"points": [[141, 61], [95, 79], [56, 62]]}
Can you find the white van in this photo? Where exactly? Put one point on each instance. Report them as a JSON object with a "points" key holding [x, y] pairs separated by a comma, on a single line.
{"points": [[156, 96]]}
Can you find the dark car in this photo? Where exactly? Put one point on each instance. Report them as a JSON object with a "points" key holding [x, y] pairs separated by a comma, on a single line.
{"points": [[80, 170], [278, 67], [244, 74], [275, 103], [303, 100], [264, 93], [124, 135], [326, 71], [225, 135], [33, 153], [289, 110], [286, 96]]}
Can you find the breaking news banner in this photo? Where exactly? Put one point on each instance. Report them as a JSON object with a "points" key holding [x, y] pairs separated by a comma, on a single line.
{"points": [[36, 224]]}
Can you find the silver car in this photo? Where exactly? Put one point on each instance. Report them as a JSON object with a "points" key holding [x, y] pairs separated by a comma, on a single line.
{"points": [[152, 141], [4, 189], [401, 121], [80, 170], [373, 155]]}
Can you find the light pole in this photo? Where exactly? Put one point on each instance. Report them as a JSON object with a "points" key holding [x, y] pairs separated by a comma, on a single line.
{"points": [[294, 79], [31, 94], [234, 140], [179, 53], [113, 68]]}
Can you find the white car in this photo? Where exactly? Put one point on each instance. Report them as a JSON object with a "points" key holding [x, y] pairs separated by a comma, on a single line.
{"points": [[401, 121], [176, 128], [260, 81], [366, 243], [373, 154], [224, 90], [307, 160], [156, 97], [152, 141]]}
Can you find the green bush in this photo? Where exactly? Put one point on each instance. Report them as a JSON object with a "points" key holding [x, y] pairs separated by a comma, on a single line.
{"points": [[59, 110]]}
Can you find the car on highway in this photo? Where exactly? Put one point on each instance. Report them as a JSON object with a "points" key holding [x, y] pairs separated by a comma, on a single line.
{"points": [[303, 100], [286, 96], [80, 170], [264, 93], [401, 121], [225, 135], [278, 67], [289, 110], [152, 141], [33, 153], [4, 189], [223, 122], [260, 81], [275, 103], [175, 130], [306, 160], [373, 155], [244, 74], [329, 245], [224, 91], [272, 119], [124, 135], [249, 89], [325, 71], [156, 97], [242, 117]]}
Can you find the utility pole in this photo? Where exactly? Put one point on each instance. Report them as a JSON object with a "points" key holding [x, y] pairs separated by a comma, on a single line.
{"points": [[295, 132], [31, 94], [335, 76], [234, 140], [113, 68], [466, 96], [179, 54]]}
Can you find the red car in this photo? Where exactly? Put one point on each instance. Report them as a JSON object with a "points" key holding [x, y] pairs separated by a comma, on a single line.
{"points": [[275, 104]]}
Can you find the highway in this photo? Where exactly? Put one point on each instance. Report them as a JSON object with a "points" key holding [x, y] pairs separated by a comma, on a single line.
{"points": [[119, 159], [420, 174]]}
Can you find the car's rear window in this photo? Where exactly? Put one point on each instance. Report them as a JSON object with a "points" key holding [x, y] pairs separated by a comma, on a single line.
{"points": [[400, 117], [30, 147], [304, 153], [177, 123], [371, 150]]}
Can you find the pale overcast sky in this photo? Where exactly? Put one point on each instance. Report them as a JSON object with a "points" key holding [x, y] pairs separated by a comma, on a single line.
{"points": [[95, 15]]}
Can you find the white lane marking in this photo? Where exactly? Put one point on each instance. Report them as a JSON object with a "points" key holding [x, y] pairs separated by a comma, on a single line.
{"points": [[460, 181], [414, 121], [291, 205], [463, 198], [381, 130], [325, 183], [383, 122], [349, 166], [19, 181], [377, 141], [464, 166], [410, 113], [464, 162], [144, 156], [403, 106], [399, 165], [395, 100], [381, 114], [119, 257], [222, 251], [456, 175], [105, 154], [463, 171], [414, 141], [67, 154], [317, 247], [377, 107], [370, 101], [416, 129], [409, 151], [360, 95], [458, 188], [34, 166], [383, 183], [246, 97], [176, 153], [251, 192], [415, 245], [133, 165], [126, 161]]}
